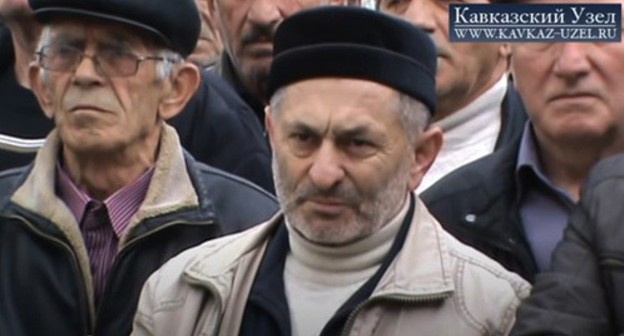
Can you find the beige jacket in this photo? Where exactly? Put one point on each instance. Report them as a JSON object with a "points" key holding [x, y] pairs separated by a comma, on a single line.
{"points": [[435, 286]]}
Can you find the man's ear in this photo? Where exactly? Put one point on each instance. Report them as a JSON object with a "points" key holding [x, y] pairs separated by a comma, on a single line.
{"points": [[41, 89], [184, 83], [425, 152], [269, 125]]}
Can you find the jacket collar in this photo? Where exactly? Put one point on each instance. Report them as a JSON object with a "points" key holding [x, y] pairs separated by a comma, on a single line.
{"points": [[513, 117], [168, 191], [422, 267]]}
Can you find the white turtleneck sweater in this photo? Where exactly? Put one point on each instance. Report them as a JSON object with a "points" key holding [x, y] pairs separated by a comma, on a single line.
{"points": [[469, 134], [320, 279]]}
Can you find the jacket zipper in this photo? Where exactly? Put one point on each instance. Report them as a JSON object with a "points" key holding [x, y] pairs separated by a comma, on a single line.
{"points": [[406, 299], [135, 241], [71, 252]]}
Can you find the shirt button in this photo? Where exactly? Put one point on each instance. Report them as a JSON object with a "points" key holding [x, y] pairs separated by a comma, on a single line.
{"points": [[470, 218]]}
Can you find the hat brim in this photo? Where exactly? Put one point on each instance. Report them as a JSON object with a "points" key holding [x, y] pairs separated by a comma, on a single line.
{"points": [[47, 14]]}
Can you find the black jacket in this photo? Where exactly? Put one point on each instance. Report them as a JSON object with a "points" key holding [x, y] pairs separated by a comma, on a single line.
{"points": [[225, 70], [478, 203], [219, 129], [43, 288], [583, 293]]}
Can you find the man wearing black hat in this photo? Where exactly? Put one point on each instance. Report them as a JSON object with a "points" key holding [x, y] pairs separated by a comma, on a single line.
{"points": [[354, 251], [111, 195], [215, 126]]}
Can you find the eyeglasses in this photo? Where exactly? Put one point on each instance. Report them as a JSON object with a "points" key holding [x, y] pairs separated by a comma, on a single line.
{"points": [[109, 62]]}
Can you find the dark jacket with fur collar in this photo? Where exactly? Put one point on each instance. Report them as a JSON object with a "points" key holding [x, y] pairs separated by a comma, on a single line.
{"points": [[45, 280]]}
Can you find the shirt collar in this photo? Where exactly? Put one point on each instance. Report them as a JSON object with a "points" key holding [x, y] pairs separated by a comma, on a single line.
{"points": [[121, 206], [529, 168]]}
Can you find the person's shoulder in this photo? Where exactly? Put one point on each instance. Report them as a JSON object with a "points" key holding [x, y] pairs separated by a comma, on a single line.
{"points": [[484, 268], [487, 291], [216, 85], [209, 259], [217, 106], [490, 170], [194, 284], [10, 180], [218, 179], [609, 169]]}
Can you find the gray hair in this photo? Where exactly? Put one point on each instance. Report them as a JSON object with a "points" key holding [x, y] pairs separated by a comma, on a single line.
{"points": [[164, 69], [44, 40], [414, 115]]}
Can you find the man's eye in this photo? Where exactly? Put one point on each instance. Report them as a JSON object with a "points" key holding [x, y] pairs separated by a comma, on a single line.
{"points": [[302, 144], [302, 137], [360, 143], [360, 147]]}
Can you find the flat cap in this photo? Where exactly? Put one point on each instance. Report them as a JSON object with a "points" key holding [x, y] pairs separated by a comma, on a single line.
{"points": [[176, 23], [350, 42]]}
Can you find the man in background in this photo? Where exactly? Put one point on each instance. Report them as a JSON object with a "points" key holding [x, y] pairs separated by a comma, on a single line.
{"points": [[514, 204], [247, 28], [478, 108]]}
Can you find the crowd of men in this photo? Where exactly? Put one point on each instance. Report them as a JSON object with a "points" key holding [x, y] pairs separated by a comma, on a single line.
{"points": [[282, 167]]}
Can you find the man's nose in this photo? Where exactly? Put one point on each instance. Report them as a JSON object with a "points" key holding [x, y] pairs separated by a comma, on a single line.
{"points": [[572, 61], [327, 169], [264, 12]]}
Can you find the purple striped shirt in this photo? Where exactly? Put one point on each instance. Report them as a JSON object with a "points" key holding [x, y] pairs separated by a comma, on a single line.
{"points": [[105, 224]]}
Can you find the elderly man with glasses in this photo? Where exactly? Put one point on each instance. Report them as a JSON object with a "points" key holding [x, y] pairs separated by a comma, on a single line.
{"points": [[112, 195]]}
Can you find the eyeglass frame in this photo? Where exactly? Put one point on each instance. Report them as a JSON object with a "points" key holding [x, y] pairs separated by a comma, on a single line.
{"points": [[96, 61]]}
